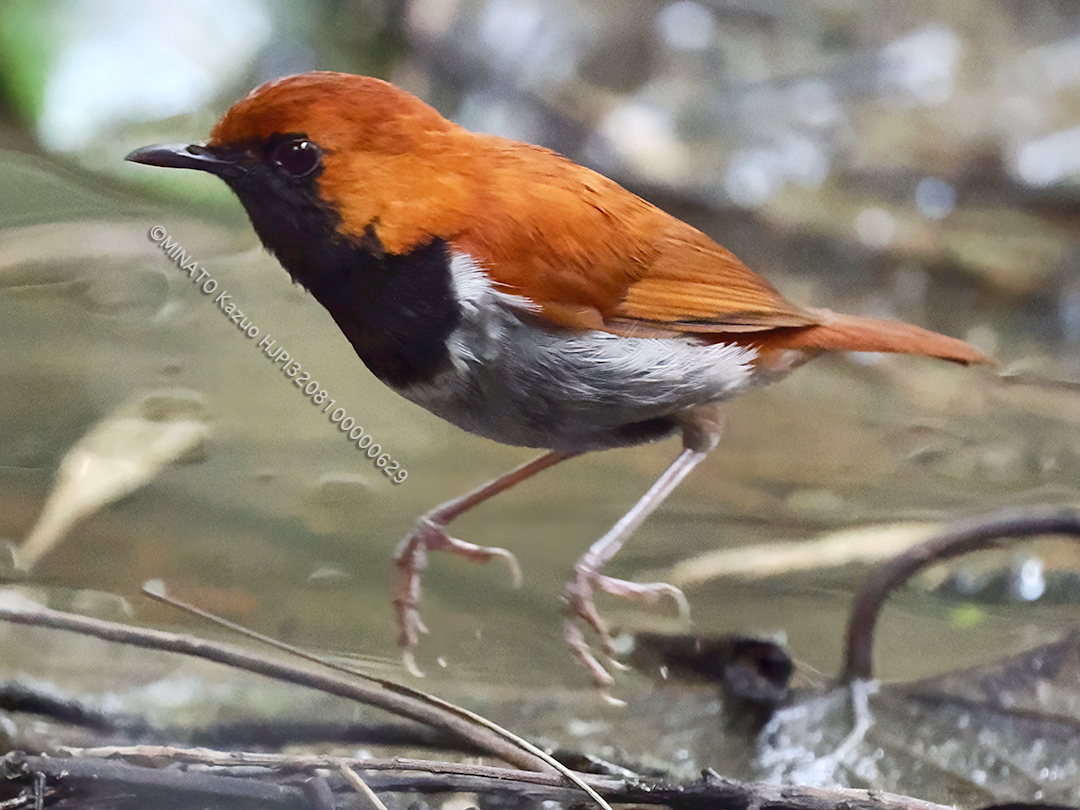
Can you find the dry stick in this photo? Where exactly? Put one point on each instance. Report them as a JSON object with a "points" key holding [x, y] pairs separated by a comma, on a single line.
{"points": [[440, 776], [970, 535], [306, 762], [100, 772], [443, 777], [401, 689], [370, 693]]}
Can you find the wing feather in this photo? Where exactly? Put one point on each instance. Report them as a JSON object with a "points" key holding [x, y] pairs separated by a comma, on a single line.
{"points": [[593, 255]]}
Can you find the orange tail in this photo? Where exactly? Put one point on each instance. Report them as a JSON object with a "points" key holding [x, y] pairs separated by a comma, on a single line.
{"points": [[853, 333]]}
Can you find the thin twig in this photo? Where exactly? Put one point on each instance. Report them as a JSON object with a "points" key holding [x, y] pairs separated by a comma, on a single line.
{"points": [[310, 762], [369, 693], [961, 538], [401, 689]]}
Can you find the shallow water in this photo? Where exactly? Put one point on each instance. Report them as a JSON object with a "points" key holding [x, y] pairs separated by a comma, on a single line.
{"points": [[279, 522]]}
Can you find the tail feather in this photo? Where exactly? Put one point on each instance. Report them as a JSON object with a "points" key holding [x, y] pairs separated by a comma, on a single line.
{"points": [[854, 333]]}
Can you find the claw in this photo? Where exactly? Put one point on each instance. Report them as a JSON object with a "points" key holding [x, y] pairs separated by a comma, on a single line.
{"points": [[617, 665], [511, 561], [649, 592], [576, 641], [430, 535], [677, 596], [482, 554], [580, 607], [408, 661], [611, 700]]}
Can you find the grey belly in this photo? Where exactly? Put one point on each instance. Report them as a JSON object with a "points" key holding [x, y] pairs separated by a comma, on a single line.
{"points": [[523, 385]]}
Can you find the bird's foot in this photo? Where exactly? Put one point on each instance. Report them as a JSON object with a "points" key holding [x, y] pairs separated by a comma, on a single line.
{"points": [[581, 612], [429, 534]]}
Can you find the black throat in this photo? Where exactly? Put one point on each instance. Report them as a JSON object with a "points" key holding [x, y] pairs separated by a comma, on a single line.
{"points": [[397, 310]]}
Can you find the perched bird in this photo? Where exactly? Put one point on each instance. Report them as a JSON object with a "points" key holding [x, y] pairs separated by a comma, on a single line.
{"points": [[514, 293]]}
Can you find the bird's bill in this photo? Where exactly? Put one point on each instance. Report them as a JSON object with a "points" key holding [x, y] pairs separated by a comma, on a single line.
{"points": [[181, 156]]}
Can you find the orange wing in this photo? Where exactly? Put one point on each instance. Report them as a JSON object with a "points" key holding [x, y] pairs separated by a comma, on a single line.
{"points": [[594, 255]]}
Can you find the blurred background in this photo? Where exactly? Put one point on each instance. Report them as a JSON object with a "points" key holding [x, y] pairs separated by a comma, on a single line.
{"points": [[908, 159]]}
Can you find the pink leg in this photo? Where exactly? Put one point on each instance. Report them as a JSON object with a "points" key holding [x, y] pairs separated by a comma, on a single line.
{"points": [[700, 436], [429, 534]]}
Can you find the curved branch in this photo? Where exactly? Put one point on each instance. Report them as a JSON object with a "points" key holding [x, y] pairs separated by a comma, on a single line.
{"points": [[961, 538]]}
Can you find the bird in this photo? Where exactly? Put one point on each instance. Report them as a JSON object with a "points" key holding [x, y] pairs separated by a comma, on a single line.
{"points": [[518, 295]]}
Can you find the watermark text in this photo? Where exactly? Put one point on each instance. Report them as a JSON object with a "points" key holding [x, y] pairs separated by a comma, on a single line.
{"points": [[288, 365]]}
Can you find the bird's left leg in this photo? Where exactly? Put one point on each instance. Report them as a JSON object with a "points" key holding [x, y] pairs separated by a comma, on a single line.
{"points": [[700, 432], [429, 534]]}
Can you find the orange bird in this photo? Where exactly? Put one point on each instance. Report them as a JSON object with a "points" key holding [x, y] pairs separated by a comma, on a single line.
{"points": [[515, 294]]}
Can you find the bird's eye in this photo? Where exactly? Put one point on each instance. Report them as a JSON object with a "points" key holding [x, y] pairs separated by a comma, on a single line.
{"points": [[296, 157]]}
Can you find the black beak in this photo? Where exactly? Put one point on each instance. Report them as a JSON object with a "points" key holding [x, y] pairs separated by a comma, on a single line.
{"points": [[184, 156]]}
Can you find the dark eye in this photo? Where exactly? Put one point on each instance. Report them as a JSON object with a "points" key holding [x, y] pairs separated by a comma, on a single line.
{"points": [[296, 157]]}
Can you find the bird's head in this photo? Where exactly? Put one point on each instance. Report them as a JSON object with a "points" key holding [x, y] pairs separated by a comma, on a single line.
{"points": [[334, 156]]}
